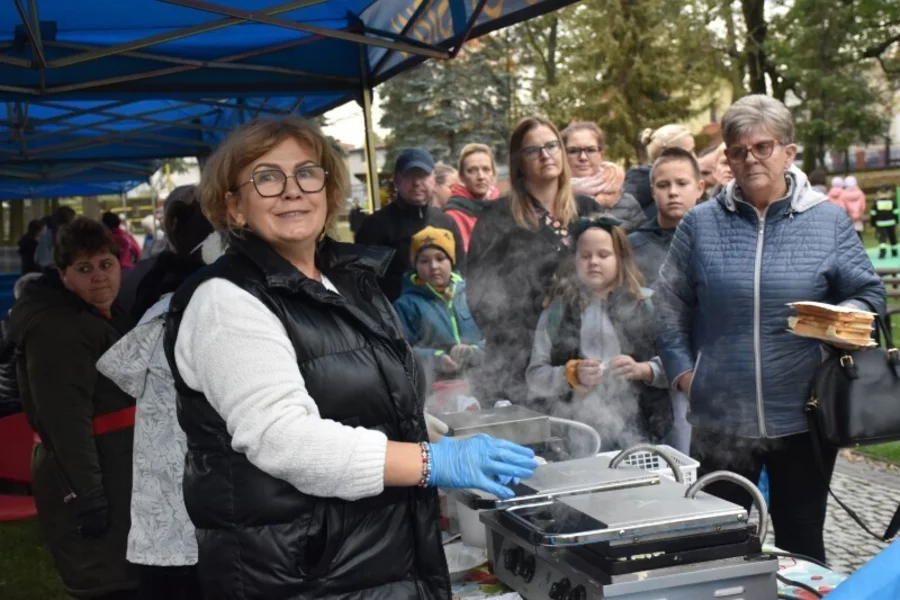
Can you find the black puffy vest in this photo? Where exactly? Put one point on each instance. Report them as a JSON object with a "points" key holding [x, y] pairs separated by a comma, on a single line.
{"points": [[259, 537]]}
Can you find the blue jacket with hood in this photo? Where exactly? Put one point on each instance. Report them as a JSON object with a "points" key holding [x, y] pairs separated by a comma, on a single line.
{"points": [[723, 293], [434, 324]]}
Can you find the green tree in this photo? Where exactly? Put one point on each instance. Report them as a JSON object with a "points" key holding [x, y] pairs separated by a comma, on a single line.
{"points": [[633, 64], [443, 105]]}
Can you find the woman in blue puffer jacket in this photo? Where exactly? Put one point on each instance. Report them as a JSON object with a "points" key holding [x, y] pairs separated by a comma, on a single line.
{"points": [[767, 239]]}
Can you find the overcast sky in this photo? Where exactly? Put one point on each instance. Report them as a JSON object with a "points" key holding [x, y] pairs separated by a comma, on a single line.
{"points": [[347, 123]]}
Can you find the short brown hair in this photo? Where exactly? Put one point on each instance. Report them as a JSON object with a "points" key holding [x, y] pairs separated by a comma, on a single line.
{"points": [[470, 149], [250, 141], [585, 126], [82, 236], [676, 154]]}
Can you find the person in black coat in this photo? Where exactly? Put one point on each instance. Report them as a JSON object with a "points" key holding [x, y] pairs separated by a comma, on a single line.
{"points": [[29, 243], [308, 472], [516, 248], [411, 211]]}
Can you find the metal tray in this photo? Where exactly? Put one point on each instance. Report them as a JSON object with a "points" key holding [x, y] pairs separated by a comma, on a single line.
{"points": [[629, 514], [568, 478]]}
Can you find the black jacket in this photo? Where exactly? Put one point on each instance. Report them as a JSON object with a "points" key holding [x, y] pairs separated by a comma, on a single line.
{"points": [[651, 245], [637, 183], [636, 332], [510, 272], [27, 246], [393, 227], [59, 339], [259, 537], [10, 401]]}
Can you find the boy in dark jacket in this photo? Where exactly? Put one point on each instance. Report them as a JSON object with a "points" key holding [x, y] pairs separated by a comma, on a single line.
{"points": [[433, 309], [885, 214], [677, 186]]}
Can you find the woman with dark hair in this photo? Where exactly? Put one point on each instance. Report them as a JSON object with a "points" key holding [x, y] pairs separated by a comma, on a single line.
{"points": [[28, 245], [43, 255], [309, 473], [62, 324], [162, 540], [516, 248]]}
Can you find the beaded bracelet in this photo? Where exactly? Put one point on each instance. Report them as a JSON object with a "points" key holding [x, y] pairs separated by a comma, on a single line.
{"points": [[426, 464]]}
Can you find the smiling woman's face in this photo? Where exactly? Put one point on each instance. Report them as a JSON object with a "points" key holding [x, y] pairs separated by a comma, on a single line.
{"points": [[95, 279], [292, 217]]}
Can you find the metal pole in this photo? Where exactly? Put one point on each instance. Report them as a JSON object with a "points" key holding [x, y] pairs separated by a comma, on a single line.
{"points": [[372, 186]]}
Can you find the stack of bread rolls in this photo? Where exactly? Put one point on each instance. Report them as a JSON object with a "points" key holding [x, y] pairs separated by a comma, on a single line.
{"points": [[833, 324]]}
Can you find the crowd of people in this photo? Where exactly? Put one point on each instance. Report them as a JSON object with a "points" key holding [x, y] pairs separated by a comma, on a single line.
{"points": [[246, 420]]}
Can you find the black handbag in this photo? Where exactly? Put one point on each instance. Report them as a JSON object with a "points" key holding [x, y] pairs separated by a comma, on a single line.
{"points": [[855, 401]]}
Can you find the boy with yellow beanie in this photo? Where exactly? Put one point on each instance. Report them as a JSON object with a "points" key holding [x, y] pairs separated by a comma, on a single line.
{"points": [[432, 308]]}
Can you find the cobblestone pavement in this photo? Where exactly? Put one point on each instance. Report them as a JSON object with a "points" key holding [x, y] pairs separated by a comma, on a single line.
{"points": [[873, 491]]}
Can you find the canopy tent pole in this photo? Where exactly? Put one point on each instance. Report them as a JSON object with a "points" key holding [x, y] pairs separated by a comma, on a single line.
{"points": [[372, 183]]}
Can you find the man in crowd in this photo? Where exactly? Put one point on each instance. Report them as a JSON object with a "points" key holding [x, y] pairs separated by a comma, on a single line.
{"points": [[707, 162], [410, 212]]}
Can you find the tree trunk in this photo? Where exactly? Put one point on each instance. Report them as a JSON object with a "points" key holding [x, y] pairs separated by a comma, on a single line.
{"points": [[738, 60], [755, 52]]}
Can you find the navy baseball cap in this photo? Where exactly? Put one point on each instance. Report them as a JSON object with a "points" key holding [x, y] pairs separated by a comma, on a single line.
{"points": [[414, 158]]}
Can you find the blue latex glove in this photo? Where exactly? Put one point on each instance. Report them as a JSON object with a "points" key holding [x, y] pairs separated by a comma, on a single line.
{"points": [[480, 462]]}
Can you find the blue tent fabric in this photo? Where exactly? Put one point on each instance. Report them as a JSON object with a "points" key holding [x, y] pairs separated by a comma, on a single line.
{"points": [[878, 579], [77, 50], [62, 189]]}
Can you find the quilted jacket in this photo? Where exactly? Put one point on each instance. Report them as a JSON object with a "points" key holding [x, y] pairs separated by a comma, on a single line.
{"points": [[723, 294]]}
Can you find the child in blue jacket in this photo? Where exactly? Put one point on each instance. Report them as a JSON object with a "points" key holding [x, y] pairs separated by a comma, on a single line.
{"points": [[432, 308]]}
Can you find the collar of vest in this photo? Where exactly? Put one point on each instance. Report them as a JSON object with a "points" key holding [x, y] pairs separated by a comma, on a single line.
{"points": [[330, 256]]}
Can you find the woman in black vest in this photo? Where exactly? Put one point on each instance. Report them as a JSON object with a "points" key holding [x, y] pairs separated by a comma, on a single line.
{"points": [[308, 471]]}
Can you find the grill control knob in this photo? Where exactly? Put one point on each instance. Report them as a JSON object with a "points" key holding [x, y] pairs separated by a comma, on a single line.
{"points": [[512, 558], [578, 593], [560, 589], [527, 567]]}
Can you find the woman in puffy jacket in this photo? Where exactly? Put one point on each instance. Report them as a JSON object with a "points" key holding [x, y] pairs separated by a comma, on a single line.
{"points": [[836, 191], [309, 472], [735, 263], [854, 201]]}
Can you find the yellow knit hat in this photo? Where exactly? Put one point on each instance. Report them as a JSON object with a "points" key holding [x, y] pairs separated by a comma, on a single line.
{"points": [[433, 237]]}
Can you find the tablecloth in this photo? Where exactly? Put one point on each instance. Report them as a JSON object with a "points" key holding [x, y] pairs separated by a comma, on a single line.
{"points": [[479, 584]]}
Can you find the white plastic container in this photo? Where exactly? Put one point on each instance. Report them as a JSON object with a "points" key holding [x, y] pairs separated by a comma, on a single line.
{"points": [[471, 529], [654, 463]]}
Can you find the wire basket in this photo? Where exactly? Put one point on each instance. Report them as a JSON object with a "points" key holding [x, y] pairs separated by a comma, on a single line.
{"points": [[654, 463]]}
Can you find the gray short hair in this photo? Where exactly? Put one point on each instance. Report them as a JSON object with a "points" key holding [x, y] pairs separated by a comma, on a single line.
{"points": [[754, 112]]}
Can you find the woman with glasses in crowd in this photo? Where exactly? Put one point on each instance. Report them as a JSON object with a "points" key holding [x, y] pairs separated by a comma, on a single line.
{"points": [[766, 240], [594, 177], [515, 250], [300, 397]]}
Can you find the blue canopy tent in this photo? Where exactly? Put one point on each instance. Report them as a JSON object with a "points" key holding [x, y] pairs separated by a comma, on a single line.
{"points": [[312, 54]]}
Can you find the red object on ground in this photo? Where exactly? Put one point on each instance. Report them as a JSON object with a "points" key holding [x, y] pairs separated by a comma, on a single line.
{"points": [[16, 443]]}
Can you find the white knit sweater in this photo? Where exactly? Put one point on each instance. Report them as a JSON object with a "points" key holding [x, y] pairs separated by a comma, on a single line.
{"points": [[237, 353]]}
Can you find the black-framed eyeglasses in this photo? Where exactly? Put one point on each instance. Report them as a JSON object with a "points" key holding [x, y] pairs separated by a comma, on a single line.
{"points": [[533, 152], [761, 150], [272, 182], [577, 151]]}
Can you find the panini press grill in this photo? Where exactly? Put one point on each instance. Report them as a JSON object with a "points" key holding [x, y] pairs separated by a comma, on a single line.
{"points": [[586, 530]]}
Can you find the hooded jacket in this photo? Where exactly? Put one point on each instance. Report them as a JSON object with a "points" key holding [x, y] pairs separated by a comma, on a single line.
{"points": [[269, 539], [393, 227], [465, 209], [723, 295], [434, 324], [59, 339], [650, 243], [854, 201]]}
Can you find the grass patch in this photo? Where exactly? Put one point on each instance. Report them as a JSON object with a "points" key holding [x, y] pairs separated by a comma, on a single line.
{"points": [[887, 452], [26, 569]]}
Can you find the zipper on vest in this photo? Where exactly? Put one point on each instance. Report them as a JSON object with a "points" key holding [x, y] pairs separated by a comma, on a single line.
{"points": [[757, 324]]}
